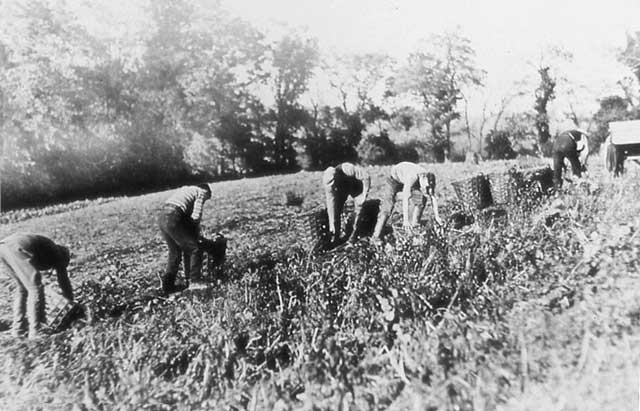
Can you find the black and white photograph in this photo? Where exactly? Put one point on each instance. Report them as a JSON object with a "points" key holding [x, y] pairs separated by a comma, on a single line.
{"points": [[304, 205]]}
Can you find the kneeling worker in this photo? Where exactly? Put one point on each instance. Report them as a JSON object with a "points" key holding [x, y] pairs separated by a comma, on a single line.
{"points": [[179, 224], [26, 256], [340, 182], [407, 177]]}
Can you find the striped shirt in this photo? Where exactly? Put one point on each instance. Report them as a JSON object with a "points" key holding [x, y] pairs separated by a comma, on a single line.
{"points": [[189, 199]]}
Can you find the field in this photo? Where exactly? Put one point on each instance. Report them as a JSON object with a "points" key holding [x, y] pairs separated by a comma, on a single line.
{"points": [[540, 313]]}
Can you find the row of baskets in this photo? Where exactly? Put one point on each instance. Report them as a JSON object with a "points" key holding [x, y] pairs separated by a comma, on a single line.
{"points": [[510, 188]]}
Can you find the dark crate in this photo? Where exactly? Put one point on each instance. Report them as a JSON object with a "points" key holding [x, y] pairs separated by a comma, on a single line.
{"points": [[542, 177], [214, 252]]}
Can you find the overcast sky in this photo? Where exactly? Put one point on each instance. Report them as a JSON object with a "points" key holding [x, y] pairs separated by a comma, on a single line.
{"points": [[506, 34]]}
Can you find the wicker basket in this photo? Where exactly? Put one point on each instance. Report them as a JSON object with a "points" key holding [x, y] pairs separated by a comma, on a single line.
{"points": [[474, 193], [314, 230], [60, 312], [506, 188]]}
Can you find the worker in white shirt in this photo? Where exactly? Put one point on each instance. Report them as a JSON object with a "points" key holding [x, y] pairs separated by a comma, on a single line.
{"points": [[416, 185]]}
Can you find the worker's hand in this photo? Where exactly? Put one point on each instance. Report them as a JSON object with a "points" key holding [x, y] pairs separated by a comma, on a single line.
{"points": [[359, 200], [439, 221], [406, 224]]}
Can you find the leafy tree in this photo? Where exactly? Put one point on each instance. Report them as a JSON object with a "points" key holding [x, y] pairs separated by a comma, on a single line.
{"points": [[612, 108], [499, 146], [630, 56], [544, 94], [436, 78], [293, 60], [377, 149], [330, 137]]}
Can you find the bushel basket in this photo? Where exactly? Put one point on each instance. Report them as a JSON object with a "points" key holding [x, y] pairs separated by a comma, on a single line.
{"points": [[314, 230], [506, 188], [474, 193]]}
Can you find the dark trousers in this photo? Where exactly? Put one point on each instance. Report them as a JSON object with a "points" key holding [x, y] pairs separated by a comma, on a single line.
{"points": [[565, 147], [29, 294], [181, 236], [558, 166]]}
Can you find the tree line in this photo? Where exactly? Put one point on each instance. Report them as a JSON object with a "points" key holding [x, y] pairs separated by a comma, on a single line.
{"points": [[198, 94]]}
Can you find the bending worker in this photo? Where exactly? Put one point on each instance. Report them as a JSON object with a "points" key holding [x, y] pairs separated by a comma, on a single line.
{"points": [[340, 182], [573, 145], [179, 224], [407, 177], [26, 256]]}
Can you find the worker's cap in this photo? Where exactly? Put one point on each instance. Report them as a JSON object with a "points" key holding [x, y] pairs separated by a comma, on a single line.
{"points": [[427, 183]]}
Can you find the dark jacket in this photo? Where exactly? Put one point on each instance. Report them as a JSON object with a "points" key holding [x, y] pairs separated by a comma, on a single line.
{"points": [[44, 255]]}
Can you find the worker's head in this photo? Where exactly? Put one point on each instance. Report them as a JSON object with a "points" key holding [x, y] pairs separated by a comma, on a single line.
{"points": [[427, 183], [207, 188]]}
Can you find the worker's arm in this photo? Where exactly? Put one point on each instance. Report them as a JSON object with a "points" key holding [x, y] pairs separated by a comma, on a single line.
{"points": [[366, 186], [64, 283], [331, 208], [198, 205], [434, 204], [406, 195], [328, 182], [359, 202]]}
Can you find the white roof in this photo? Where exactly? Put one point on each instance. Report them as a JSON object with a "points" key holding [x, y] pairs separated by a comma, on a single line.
{"points": [[625, 132]]}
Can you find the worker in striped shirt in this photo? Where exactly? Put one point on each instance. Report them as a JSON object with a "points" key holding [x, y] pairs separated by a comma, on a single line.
{"points": [[26, 258], [416, 185], [179, 224], [340, 182]]}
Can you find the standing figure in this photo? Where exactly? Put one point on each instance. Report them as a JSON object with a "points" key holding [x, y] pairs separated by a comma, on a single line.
{"points": [[179, 224], [407, 177], [340, 182], [26, 256], [574, 146]]}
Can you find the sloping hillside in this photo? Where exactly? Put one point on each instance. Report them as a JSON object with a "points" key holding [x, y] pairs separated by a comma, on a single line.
{"points": [[543, 308]]}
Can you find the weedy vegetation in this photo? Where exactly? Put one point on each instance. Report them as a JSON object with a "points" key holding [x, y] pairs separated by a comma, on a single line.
{"points": [[533, 311]]}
